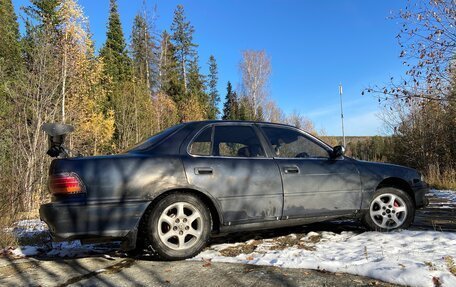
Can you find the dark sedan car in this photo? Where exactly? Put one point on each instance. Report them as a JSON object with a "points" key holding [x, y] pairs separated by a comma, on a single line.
{"points": [[175, 189]]}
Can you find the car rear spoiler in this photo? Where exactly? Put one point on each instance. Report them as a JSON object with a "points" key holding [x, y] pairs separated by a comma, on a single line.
{"points": [[56, 138]]}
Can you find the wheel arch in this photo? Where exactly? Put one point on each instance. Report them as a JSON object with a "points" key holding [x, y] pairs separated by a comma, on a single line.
{"points": [[205, 198], [398, 183]]}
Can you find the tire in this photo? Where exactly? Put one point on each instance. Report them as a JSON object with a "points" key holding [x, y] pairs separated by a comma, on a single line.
{"points": [[390, 209], [178, 226]]}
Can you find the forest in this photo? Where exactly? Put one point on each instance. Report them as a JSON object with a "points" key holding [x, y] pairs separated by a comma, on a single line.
{"points": [[133, 88], [115, 97]]}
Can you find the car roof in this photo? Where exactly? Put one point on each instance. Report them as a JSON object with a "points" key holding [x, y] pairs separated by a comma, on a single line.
{"points": [[239, 121]]}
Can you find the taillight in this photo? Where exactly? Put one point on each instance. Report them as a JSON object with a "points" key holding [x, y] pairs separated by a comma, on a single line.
{"points": [[65, 183]]}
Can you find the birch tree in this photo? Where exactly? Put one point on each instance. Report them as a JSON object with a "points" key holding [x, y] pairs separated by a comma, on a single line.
{"points": [[255, 70]]}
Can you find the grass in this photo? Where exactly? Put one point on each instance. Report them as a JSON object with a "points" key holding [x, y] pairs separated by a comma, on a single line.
{"points": [[441, 180]]}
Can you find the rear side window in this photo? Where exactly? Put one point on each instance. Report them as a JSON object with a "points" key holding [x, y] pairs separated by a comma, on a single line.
{"points": [[202, 144], [227, 141], [237, 141]]}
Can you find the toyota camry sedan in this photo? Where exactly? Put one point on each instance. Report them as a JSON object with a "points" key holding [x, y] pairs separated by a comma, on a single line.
{"points": [[197, 179]]}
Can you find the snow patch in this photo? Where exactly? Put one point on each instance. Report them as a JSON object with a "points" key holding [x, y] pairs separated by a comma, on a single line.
{"points": [[402, 257], [442, 198], [415, 258]]}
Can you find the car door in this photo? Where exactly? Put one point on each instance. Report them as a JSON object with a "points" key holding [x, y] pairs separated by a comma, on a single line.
{"points": [[314, 184], [230, 163]]}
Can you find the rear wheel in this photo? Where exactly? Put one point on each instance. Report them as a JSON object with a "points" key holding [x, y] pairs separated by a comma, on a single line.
{"points": [[179, 226], [390, 209]]}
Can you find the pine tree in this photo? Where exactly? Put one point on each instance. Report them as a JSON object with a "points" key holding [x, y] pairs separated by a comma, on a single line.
{"points": [[231, 105], [183, 42], [214, 97], [114, 52]]}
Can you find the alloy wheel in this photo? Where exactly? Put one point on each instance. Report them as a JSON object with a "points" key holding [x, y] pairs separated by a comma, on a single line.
{"points": [[388, 211], [180, 226]]}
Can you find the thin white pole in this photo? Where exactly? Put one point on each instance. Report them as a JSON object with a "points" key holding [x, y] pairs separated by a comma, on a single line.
{"points": [[342, 112]]}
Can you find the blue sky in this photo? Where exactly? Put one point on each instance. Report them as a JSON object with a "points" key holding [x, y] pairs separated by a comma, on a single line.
{"points": [[313, 45]]}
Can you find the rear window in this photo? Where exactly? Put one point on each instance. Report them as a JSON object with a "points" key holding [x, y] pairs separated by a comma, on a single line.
{"points": [[155, 139]]}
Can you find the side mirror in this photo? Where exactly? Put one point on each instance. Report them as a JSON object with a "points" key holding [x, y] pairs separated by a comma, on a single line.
{"points": [[338, 151]]}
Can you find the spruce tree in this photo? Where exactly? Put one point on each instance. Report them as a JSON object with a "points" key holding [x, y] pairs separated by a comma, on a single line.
{"points": [[144, 51], [214, 97], [196, 85], [45, 13], [245, 112], [169, 70], [10, 67], [231, 105], [183, 42], [114, 52]]}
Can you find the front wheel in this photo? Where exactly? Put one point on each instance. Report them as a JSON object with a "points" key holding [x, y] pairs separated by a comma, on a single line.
{"points": [[390, 209], [179, 226]]}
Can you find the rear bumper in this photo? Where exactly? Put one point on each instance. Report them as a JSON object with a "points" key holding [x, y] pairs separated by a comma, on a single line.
{"points": [[68, 221]]}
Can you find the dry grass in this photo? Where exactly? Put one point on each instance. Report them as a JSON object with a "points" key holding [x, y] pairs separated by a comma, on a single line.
{"points": [[240, 249], [283, 242], [439, 179], [277, 243], [449, 261], [8, 239], [430, 265]]}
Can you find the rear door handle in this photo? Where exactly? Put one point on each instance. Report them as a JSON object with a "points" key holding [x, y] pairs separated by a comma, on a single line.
{"points": [[203, 170], [290, 169]]}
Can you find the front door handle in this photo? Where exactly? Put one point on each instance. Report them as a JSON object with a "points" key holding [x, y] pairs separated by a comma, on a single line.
{"points": [[203, 170], [290, 169]]}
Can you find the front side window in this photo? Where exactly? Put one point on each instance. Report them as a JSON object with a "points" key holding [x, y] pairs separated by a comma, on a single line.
{"points": [[289, 143]]}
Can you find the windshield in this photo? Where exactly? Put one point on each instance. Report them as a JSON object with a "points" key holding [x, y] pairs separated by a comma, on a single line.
{"points": [[148, 143]]}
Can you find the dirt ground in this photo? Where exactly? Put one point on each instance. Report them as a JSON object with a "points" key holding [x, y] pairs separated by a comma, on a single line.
{"points": [[117, 270]]}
